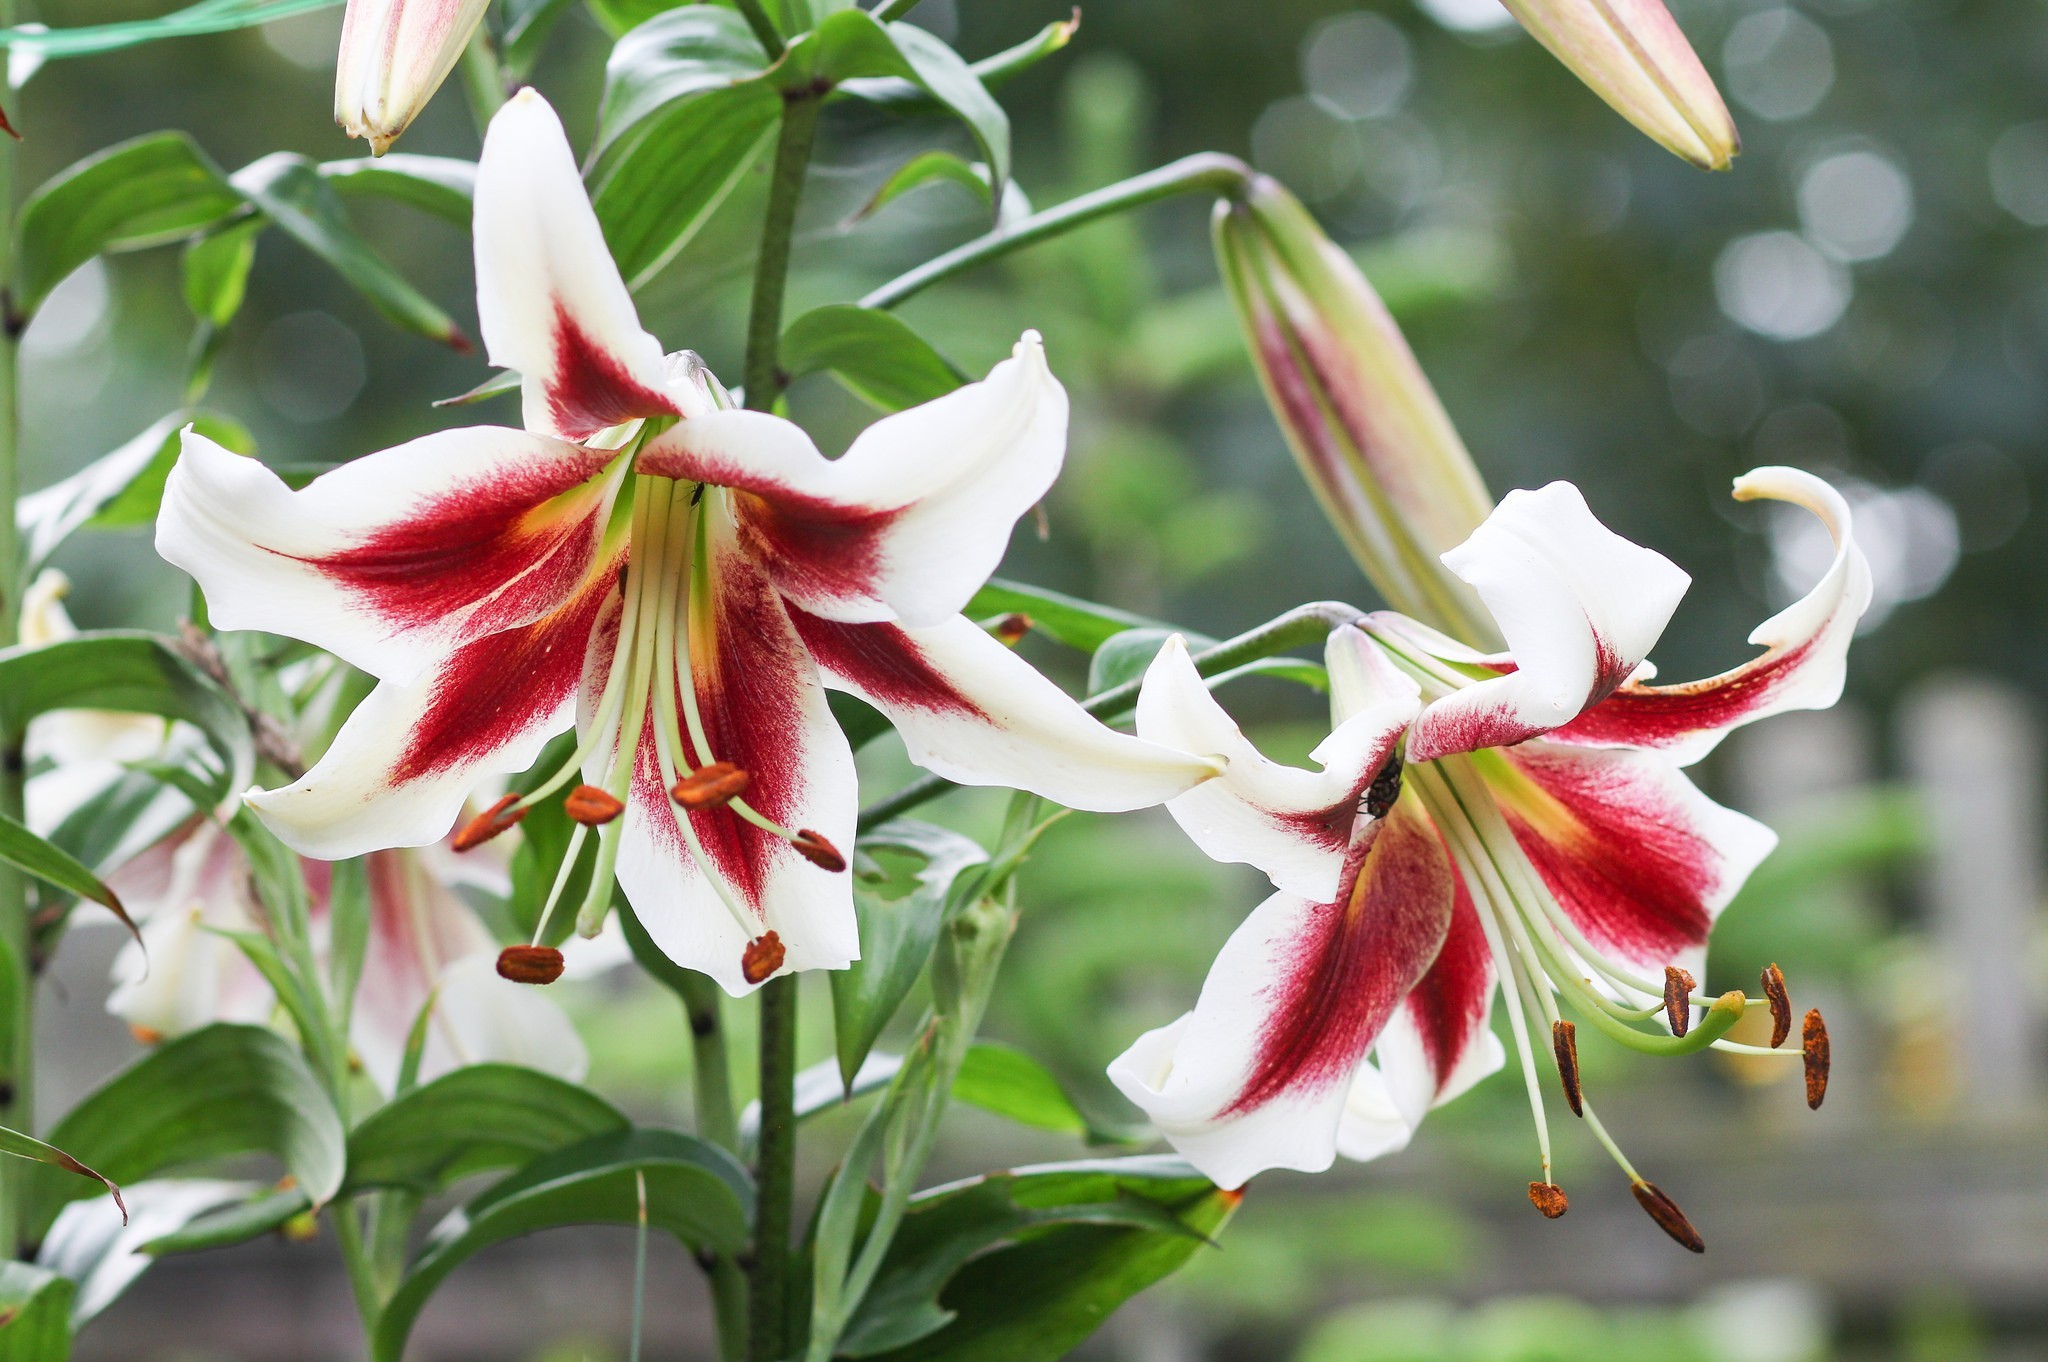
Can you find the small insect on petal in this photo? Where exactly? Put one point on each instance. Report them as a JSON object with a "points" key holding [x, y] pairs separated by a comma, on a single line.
{"points": [[1012, 628], [710, 787], [818, 851], [1669, 1218], [1814, 1041], [1549, 1198], [1678, 987], [489, 823], [1781, 1005], [762, 957], [591, 806], [530, 964], [1564, 1040]]}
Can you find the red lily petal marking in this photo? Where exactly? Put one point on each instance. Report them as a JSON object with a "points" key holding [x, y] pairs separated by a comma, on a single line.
{"points": [[1449, 1006], [590, 389], [1620, 857], [883, 662], [517, 542], [1662, 716], [1444, 728], [491, 691], [1355, 962], [816, 548]]}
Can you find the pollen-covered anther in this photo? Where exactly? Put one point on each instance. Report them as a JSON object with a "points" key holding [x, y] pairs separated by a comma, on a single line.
{"points": [[145, 1035], [762, 957], [1814, 1043], [489, 823], [818, 851], [1549, 1198], [1564, 1040], [591, 806], [1669, 1218], [1781, 1004], [1011, 628], [1678, 987], [710, 787], [530, 964]]}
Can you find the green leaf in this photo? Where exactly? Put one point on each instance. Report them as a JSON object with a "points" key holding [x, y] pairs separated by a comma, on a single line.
{"points": [[1069, 619], [140, 193], [119, 489], [875, 354], [35, 1314], [695, 1191], [442, 185], [686, 111], [216, 271], [25, 851], [208, 16], [293, 193], [930, 167], [1008, 1082], [896, 934], [943, 74], [29, 1147], [133, 673], [91, 1245], [472, 1120], [1124, 657], [1076, 1240], [991, 71], [527, 25], [234, 1223], [219, 1091]]}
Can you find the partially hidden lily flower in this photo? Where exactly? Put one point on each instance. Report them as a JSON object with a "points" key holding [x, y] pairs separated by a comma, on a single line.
{"points": [[1632, 54], [1512, 821], [1366, 428], [394, 55], [676, 580]]}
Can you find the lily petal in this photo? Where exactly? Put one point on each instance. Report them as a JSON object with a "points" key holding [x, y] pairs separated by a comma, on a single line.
{"points": [[417, 927], [1805, 658], [399, 770], [973, 711], [480, 1018], [1580, 607], [549, 299], [912, 518], [397, 560], [1639, 859], [1294, 825], [1446, 1019], [1259, 1075]]}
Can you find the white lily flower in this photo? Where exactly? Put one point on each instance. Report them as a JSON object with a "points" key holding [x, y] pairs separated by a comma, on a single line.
{"points": [[1540, 836], [677, 581], [394, 55]]}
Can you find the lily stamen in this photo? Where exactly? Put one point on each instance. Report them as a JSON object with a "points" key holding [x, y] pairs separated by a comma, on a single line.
{"points": [[709, 787], [1781, 1004], [591, 806], [1814, 1049], [498, 818], [530, 964]]}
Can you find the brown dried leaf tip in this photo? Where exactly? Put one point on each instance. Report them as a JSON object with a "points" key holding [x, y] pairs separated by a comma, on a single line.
{"points": [[1781, 1005], [1012, 628], [1814, 1041], [711, 787], [591, 806], [489, 823], [762, 957], [1564, 1039], [819, 852], [1678, 987], [1669, 1218], [530, 964], [1549, 1198]]}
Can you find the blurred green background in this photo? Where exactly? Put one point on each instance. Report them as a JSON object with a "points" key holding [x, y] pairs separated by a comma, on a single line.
{"points": [[1865, 295]]}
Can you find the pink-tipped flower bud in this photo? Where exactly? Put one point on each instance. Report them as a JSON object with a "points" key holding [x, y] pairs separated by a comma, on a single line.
{"points": [[1365, 426], [394, 55]]}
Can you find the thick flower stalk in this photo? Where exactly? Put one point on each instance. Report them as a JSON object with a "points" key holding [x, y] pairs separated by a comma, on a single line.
{"points": [[394, 55], [1366, 428], [1514, 821], [677, 580]]}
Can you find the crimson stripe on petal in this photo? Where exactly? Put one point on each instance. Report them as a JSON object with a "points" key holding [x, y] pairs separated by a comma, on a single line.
{"points": [[590, 389], [1663, 716], [884, 663], [1449, 1006], [1355, 962]]}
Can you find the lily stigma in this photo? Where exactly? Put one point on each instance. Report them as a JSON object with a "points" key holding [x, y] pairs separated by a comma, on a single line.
{"points": [[678, 581], [1515, 822]]}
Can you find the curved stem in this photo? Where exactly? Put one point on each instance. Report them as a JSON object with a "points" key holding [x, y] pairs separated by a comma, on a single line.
{"points": [[764, 27], [17, 968], [763, 376], [774, 1172], [1209, 171]]}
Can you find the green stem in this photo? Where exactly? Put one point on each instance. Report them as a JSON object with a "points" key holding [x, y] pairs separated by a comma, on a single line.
{"points": [[763, 26], [1304, 624], [763, 375], [17, 964], [1207, 171], [483, 79], [362, 1275], [774, 1173], [710, 1067]]}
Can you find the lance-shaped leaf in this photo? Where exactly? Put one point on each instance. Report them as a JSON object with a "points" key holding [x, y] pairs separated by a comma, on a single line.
{"points": [[208, 16], [35, 1314], [29, 1147], [125, 487], [220, 1091], [694, 1191], [991, 71], [475, 1119], [1073, 621], [442, 185], [1010, 1083], [140, 193], [53, 865], [930, 167], [875, 354]]}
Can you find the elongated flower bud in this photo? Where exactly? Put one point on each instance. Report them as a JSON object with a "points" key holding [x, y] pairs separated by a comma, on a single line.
{"points": [[1633, 55], [394, 55], [1365, 426]]}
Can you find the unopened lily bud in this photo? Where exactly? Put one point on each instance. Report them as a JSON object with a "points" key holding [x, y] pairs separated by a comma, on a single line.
{"points": [[1365, 426], [1669, 1218], [762, 957], [591, 806], [711, 786], [1814, 1044], [488, 824], [394, 55], [1633, 55], [530, 964], [819, 852], [1549, 1198]]}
